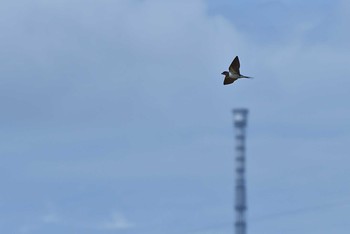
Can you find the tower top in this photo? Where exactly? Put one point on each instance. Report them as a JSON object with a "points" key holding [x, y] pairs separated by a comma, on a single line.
{"points": [[240, 117]]}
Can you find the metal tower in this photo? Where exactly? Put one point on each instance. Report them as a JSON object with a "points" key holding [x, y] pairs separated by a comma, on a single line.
{"points": [[240, 122]]}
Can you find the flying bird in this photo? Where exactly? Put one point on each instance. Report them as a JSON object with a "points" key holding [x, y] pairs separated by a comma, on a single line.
{"points": [[233, 73]]}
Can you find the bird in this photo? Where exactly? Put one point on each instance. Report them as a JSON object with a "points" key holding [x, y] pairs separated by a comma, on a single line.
{"points": [[233, 73]]}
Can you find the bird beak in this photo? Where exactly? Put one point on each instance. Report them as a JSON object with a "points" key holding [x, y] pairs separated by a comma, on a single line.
{"points": [[223, 73]]}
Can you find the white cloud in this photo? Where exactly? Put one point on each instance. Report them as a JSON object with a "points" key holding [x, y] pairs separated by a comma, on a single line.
{"points": [[147, 74], [116, 222], [105, 89]]}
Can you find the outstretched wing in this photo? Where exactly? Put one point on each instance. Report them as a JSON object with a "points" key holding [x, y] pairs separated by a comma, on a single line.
{"points": [[229, 80], [234, 67]]}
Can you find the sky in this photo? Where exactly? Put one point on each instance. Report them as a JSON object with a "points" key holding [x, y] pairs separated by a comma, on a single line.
{"points": [[114, 118]]}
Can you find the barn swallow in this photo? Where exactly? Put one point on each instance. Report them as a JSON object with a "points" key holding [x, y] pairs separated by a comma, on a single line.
{"points": [[233, 73]]}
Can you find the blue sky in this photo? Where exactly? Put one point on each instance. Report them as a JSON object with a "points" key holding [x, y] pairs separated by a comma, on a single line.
{"points": [[114, 118]]}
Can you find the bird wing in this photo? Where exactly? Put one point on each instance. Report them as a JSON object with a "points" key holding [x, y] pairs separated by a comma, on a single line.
{"points": [[234, 67], [229, 80]]}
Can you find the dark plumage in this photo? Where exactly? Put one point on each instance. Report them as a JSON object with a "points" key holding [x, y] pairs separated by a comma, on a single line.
{"points": [[233, 73]]}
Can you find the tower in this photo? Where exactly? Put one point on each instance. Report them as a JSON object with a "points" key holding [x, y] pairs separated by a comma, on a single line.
{"points": [[240, 123]]}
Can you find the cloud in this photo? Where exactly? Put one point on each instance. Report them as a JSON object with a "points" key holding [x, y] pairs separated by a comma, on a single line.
{"points": [[94, 71], [121, 89], [115, 82], [116, 222]]}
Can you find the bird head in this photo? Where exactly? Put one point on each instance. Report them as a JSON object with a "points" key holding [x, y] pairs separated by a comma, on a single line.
{"points": [[225, 73]]}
